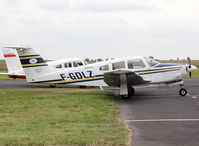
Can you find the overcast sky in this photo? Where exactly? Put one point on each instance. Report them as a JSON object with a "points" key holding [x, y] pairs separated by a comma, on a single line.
{"points": [[102, 28]]}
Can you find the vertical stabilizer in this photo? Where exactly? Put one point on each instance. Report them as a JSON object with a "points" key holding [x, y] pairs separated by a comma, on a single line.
{"points": [[33, 64]]}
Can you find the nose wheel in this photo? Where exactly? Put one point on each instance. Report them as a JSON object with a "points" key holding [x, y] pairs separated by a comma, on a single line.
{"points": [[183, 92]]}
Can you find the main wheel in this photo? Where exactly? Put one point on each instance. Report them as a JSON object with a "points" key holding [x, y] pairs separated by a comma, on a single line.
{"points": [[131, 91], [83, 87], [52, 85], [183, 92]]}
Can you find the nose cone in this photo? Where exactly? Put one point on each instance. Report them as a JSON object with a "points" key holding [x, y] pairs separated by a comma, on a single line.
{"points": [[192, 68]]}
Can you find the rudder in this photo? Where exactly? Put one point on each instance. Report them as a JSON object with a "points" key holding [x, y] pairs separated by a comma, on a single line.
{"points": [[12, 61]]}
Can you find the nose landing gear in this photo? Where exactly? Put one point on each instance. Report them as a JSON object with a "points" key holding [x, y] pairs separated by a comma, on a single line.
{"points": [[183, 92]]}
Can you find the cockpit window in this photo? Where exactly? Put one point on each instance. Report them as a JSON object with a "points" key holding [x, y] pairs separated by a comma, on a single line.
{"points": [[151, 62], [135, 64], [118, 65]]}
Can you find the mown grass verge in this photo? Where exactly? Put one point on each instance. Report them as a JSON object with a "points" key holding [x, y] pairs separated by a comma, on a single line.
{"points": [[3, 69], [60, 117]]}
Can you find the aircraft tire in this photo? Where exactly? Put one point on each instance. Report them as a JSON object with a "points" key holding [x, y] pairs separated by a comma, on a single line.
{"points": [[125, 96], [183, 92], [52, 85], [83, 87], [131, 91]]}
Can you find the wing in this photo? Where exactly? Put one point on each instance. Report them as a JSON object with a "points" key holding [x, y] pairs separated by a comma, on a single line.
{"points": [[117, 77]]}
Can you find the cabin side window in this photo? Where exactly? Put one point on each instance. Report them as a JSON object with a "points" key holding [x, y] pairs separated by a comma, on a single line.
{"points": [[135, 64], [77, 63], [119, 65], [104, 68], [67, 64], [58, 66]]}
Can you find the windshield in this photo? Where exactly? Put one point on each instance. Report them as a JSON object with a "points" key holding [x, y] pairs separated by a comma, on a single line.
{"points": [[151, 61]]}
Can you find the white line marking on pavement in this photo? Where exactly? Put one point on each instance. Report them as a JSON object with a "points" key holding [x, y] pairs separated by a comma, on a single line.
{"points": [[192, 96], [162, 120]]}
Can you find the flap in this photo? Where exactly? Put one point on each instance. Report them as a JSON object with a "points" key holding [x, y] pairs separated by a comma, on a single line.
{"points": [[18, 47], [112, 78]]}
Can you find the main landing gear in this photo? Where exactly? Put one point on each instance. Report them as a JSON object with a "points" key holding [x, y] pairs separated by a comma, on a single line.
{"points": [[131, 91], [182, 91], [52, 85]]}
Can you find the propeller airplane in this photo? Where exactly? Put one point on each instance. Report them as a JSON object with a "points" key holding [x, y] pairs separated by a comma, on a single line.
{"points": [[125, 73]]}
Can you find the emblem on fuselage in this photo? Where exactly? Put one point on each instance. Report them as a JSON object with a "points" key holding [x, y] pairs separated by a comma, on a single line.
{"points": [[33, 61]]}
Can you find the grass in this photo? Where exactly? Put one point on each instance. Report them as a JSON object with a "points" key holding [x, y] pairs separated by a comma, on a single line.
{"points": [[2, 65], [195, 74], [60, 117], [3, 69], [4, 77], [2, 61]]}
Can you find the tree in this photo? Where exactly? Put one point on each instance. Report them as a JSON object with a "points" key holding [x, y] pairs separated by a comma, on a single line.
{"points": [[99, 60], [87, 59]]}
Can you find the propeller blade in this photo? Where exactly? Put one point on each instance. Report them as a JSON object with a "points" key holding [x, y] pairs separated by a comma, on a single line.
{"points": [[190, 74], [189, 61]]}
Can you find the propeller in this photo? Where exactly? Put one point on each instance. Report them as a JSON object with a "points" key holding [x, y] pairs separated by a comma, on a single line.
{"points": [[189, 62]]}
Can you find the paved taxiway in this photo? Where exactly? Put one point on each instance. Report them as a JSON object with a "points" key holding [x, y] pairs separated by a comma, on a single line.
{"points": [[156, 116], [160, 117]]}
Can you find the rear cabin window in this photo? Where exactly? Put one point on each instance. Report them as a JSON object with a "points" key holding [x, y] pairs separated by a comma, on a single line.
{"points": [[67, 64], [136, 64], [118, 65], [80, 63], [77, 63], [59, 66], [104, 68]]}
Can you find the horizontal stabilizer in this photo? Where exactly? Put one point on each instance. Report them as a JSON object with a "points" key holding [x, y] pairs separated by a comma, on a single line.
{"points": [[18, 47], [10, 74]]}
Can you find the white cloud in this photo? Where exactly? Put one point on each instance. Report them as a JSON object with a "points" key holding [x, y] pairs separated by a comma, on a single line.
{"points": [[96, 5], [112, 28]]}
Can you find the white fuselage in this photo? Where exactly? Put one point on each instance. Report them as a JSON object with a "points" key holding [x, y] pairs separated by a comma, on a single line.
{"points": [[93, 74]]}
